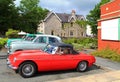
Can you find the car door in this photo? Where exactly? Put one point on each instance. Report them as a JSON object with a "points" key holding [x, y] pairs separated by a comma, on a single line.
{"points": [[44, 62], [40, 42], [64, 61]]}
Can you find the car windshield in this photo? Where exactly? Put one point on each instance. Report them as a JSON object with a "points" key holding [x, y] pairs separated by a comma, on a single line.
{"points": [[29, 38], [51, 49]]}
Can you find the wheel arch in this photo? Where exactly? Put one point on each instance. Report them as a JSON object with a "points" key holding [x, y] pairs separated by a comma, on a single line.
{"points": [[83, 70], [29, 61], [81, 61]]}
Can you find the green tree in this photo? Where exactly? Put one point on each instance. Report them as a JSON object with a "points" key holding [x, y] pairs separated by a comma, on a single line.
{"points": [[94, 15], [82, 23], [12, 33], [31, 14], [8, 15]]}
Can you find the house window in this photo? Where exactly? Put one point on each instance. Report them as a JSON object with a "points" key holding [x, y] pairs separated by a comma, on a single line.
{"points": [[82, 34], [71, 33], [82, 19], [71, 24], [61, 34], [62, 25], [64, 34], [52, 32]]}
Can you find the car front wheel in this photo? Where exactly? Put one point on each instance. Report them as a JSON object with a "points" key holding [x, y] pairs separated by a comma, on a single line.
{"points": [[27, 69], [82, 66]]}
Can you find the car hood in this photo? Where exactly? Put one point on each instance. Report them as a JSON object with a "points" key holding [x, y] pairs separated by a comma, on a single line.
{"points": [[17, 40], [27, 54], [27, 51], [14, 39], [21, 42]]}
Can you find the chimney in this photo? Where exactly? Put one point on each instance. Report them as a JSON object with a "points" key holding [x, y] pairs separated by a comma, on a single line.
{"points": [[73, 15], [73, 12]]}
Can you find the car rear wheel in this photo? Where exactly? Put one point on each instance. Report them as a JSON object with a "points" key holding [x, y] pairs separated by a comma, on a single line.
{"points": [[27, 69], [82, 66]]}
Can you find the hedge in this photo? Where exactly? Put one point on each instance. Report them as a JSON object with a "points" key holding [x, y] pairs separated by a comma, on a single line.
{"points": [[3, 42]]}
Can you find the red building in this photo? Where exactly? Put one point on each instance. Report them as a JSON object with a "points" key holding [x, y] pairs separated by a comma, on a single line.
{"points": [[109, 26]]}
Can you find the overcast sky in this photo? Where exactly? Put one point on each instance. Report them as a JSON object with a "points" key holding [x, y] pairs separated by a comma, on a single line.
{"points": [[81, 7]]}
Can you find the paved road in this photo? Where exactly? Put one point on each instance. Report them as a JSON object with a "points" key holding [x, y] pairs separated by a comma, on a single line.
{"points": [[8, 75]]}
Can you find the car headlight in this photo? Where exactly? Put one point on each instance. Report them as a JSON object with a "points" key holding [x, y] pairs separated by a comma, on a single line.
{"points": [[14, 60]]}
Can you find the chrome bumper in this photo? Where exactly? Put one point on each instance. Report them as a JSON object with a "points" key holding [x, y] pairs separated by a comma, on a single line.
{"points": [[6, 46], [10, 66]]}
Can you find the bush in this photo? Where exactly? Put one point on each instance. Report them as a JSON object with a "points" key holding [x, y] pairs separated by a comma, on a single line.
{"points": [[69, 40], [78, 46], [3, 42], [81, 43], [108, 53], [12, 33]]}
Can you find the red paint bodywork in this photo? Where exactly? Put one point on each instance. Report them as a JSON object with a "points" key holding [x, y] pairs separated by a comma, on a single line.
{"points": [[49, 62]]}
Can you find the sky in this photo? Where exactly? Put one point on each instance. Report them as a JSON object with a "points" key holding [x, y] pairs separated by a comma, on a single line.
{"points": [[82, 7]]}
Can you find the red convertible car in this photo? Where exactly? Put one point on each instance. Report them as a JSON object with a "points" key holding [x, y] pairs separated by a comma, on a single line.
{"points": [[54, 57]]}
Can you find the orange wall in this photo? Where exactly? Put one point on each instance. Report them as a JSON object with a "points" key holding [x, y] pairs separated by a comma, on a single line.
{"points": [[112, 11], [106, 43]]}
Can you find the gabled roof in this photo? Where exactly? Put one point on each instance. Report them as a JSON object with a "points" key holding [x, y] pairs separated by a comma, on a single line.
{"points": [[49, 14], [63, 17]]}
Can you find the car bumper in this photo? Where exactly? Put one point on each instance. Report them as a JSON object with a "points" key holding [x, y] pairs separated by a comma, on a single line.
{"points": [[9, 52], [6, 46], [10, 66]]}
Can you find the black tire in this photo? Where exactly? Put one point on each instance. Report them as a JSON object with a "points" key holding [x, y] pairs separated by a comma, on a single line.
{"points": [[27, 69], [82, 66]]}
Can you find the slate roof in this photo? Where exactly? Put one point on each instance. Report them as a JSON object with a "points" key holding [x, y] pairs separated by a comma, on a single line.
{"points": [[66, 17], [63, 17]]}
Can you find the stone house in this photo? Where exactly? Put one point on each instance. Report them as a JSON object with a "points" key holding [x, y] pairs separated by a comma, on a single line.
{"points": [[62, 24]]}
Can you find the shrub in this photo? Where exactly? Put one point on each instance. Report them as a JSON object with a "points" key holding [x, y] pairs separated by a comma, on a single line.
{"points": [[81, 43], [12, 33], [78, 46], [69, 40], [3, 42], [108, 53]]}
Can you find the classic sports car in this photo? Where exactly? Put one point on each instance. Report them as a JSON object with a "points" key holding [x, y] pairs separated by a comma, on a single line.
{"points": [[54, 57]]}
